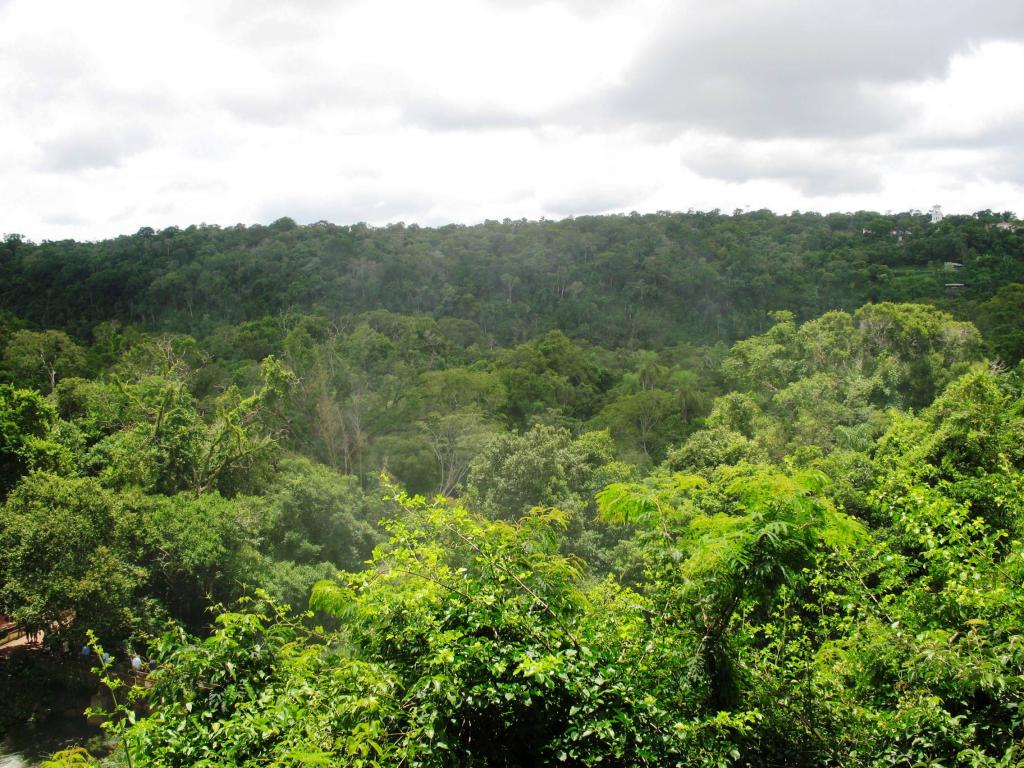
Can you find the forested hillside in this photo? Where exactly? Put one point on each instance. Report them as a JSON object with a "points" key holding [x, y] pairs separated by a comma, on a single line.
{"points": [[693, 489], [649, 280]]}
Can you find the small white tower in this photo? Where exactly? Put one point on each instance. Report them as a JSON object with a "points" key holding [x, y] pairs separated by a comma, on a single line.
{"points": [[936, 213]]}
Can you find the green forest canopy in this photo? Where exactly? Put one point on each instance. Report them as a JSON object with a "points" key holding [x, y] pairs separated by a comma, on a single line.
{"points": [[637, 280], [696, 489]]}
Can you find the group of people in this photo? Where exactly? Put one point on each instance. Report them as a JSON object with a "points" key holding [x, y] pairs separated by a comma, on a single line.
{"points": [[9, 627], [34, 637]]}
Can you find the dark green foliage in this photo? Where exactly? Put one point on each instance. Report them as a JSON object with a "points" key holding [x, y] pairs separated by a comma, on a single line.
{"points": [[319, 515], [999, 319], [40, 360], [28, 439], [617, 280], [69, 555]]}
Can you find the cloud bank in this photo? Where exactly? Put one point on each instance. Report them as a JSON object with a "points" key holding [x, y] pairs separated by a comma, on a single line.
{"points": [[119, 115]]}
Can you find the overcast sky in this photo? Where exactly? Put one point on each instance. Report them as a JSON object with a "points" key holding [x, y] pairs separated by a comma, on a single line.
{"points": [[118, 115]]}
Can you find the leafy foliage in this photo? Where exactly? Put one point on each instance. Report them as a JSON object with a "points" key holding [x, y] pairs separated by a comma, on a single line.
{"points": [[633, 545]]}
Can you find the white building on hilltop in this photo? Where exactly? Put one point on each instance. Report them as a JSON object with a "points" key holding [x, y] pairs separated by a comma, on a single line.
{"points": [[936, 213]]}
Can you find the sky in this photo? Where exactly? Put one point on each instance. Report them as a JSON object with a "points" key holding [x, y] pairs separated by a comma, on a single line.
{"points": [[118, 115]]}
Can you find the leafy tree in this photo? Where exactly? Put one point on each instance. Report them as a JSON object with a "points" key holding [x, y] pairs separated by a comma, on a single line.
{"points": [[164, 443], [315, 514], [455, 439], [544, 466], [70, 554], [547, 467], [29, 438], [202, 552], [644, 422], [999, 318], [708, 449], [41, 359], [928, 660], [741, 539]]}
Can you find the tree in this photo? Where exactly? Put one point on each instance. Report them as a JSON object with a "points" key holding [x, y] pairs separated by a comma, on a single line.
{"points": [[643, 421], [69, 557], [202, 551], [999, 318], [708, 449], [162, 442], [452, 389], [455, 439], [929, 613], [27, 436], [739, 539], [545, 466], [41, 359], [317, 514]]}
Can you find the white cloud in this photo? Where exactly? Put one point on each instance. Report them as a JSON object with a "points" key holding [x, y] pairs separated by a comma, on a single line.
{"points": [[979, 99], [121, 114]]}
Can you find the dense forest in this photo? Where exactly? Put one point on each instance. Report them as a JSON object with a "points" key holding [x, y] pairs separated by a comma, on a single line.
{"points": [[621, 281], [673, 489]]}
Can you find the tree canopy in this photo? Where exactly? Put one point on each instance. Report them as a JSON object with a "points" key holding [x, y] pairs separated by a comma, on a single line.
{"points": [[677, 489]]}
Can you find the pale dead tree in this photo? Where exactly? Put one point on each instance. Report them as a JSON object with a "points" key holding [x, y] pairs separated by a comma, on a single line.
{"points": [[509, 282], [355, 434], [175, 366], [53, 353], [455, 440], [329, 427]]}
